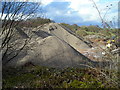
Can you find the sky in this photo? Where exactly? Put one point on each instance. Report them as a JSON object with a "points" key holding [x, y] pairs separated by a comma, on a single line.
{"points": [[80, 12]]}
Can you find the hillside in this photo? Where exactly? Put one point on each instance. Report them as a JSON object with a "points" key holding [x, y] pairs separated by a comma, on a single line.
{"points": [[47, 44], [57, 57]]}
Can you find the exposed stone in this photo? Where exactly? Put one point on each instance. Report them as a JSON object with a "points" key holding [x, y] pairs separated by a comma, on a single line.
{"points": [[54, 48]]}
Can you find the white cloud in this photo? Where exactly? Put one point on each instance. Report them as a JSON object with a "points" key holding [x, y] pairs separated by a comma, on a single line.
{"points": [[46, 2], [85, 8]]}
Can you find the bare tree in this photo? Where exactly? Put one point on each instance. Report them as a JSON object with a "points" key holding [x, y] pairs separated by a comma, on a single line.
{"points": [[12, 14], [105, 24]]}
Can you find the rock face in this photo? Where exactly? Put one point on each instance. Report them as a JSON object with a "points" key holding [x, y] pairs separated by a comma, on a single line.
{"points": [[53, 46], [73, 41]]}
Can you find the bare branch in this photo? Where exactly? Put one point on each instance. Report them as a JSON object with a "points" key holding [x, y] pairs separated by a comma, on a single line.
{"points": [[14, 13]]}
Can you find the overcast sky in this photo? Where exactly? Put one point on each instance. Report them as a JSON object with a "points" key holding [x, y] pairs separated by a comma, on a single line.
{"points": [[79, 12]]}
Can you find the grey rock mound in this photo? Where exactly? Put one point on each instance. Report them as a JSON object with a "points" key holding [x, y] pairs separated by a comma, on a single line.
{"points": [[54, 47]]}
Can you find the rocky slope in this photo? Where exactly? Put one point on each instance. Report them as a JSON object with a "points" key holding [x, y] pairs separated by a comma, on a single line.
{"points": [[54, 46]]}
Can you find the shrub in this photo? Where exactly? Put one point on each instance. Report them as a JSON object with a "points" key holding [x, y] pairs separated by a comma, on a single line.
{"points": [[73, 27], [88, 84], [35, 22], [93, 28], [81, 33], [43, 77]]}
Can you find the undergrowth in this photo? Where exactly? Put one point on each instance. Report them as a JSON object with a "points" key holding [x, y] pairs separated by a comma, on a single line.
{"points": [[44, 77]]}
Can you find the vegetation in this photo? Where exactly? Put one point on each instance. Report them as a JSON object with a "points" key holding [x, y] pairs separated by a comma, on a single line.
{"points": [[43, 77], [73, 27], [34, 22], [103, 34], [92, 30]]}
